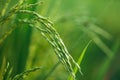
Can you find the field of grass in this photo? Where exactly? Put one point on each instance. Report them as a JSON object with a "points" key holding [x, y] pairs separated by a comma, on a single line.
{"points": [[59, 40]]}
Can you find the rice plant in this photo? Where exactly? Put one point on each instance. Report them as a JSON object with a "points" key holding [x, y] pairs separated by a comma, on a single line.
{"points": [[84, 35]]}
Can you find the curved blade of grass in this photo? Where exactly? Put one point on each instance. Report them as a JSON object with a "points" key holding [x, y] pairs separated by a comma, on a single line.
{"points": [[101, 44], [100, 31], [107, 62], [98, 41], [80, 60], [52, 70], [93, 31]]}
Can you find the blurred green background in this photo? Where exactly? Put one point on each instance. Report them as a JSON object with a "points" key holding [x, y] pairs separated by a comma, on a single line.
{"points": [[77, 22]]}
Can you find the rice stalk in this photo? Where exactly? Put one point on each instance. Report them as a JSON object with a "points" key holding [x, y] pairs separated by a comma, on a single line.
{"points": [[12, 11], [20, 5], [22, 75], [25, 6], [17, 7], [52, 36], [47, 31]]}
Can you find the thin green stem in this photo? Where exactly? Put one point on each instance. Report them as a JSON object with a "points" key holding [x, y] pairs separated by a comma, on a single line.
{"points": [[51, 71]]}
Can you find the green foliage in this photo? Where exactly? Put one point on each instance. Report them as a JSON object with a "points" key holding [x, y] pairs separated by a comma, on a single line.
{"points": [[80, 60], [47, 31], [22, 75], [32, 30]]}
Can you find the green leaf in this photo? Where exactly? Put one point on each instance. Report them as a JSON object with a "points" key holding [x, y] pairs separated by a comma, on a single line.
{"points": [[80, 60]]}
